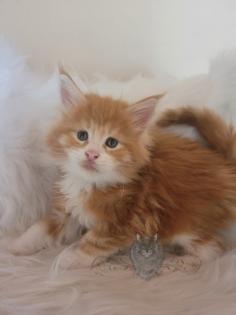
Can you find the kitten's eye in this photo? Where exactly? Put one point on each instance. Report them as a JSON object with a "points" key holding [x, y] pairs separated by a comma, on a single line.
{"points": [[111, 142], [82, 135]]}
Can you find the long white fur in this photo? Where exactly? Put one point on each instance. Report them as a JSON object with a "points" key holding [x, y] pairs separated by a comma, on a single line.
{"points": [[27, 105]]}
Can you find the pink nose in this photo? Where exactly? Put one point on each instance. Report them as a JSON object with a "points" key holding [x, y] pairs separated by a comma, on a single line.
{"points": [[91, 155]]}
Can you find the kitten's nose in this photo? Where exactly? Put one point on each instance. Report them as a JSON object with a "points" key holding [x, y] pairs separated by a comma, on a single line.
{"points": [[91, 155]]}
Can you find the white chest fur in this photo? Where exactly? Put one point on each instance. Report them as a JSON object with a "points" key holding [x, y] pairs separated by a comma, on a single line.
{"points": [[76, 194]]}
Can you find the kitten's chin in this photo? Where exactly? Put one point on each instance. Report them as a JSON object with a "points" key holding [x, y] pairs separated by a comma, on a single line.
{"points": [[88, 175], [101, 178], [90, 167]]}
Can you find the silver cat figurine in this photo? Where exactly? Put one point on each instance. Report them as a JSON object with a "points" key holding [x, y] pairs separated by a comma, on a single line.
{"points": [[147, 255]]}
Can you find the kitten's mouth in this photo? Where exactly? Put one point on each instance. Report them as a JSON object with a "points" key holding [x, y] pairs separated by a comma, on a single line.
{"points": [[89, 165]]}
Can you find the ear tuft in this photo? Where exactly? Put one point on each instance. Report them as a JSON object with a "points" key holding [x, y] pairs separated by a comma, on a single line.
{"points": [[143, 111], [71, 95]]}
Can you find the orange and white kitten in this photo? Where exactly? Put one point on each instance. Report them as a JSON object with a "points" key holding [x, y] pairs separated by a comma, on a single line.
{"points": [[122, 175]]}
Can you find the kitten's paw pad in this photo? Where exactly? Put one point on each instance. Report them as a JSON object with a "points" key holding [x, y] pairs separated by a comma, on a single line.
{"points": [[73, 258]]}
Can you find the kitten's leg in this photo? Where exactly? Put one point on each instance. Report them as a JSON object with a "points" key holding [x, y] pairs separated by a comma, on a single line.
{"points": [[42, 234], [92, 249]]}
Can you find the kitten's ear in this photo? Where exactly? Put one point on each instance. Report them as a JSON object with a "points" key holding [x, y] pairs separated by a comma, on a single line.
{"points": [[142, 111], [71, 95]]}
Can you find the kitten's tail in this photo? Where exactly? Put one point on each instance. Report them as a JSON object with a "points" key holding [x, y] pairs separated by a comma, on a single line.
{"points": [[218, 135]]}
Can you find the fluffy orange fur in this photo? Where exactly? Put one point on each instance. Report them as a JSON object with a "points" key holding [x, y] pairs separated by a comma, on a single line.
{"points": [[165, 183]]}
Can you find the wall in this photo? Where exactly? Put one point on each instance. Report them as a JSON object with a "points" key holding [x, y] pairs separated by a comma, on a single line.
{"points": [[122, 37]]}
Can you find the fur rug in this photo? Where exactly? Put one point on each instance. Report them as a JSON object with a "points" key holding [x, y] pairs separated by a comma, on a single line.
{"points": [[29, 288], [33, 285]]}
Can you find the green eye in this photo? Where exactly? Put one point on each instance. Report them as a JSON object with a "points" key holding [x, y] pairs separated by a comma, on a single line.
{"points": [[82, 135], [111, 142]]}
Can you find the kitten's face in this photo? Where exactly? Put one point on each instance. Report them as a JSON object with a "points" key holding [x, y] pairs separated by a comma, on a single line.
{"points": [[98, 152], [98, 139]]}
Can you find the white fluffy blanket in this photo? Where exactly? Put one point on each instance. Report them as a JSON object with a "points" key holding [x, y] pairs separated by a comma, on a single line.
{"points": [[32, 285]]}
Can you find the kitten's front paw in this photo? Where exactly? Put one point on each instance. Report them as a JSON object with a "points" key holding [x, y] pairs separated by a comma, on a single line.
{"points": [[30, 242], [18, 248], [14, 246], [74, 257], [6, 242]]}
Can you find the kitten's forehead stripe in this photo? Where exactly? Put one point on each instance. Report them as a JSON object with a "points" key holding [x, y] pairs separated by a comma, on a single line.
{"points": [[103, 111]]}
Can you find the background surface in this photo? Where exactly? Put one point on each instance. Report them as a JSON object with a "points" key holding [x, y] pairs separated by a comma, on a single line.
{"points": [[122, 37]]}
